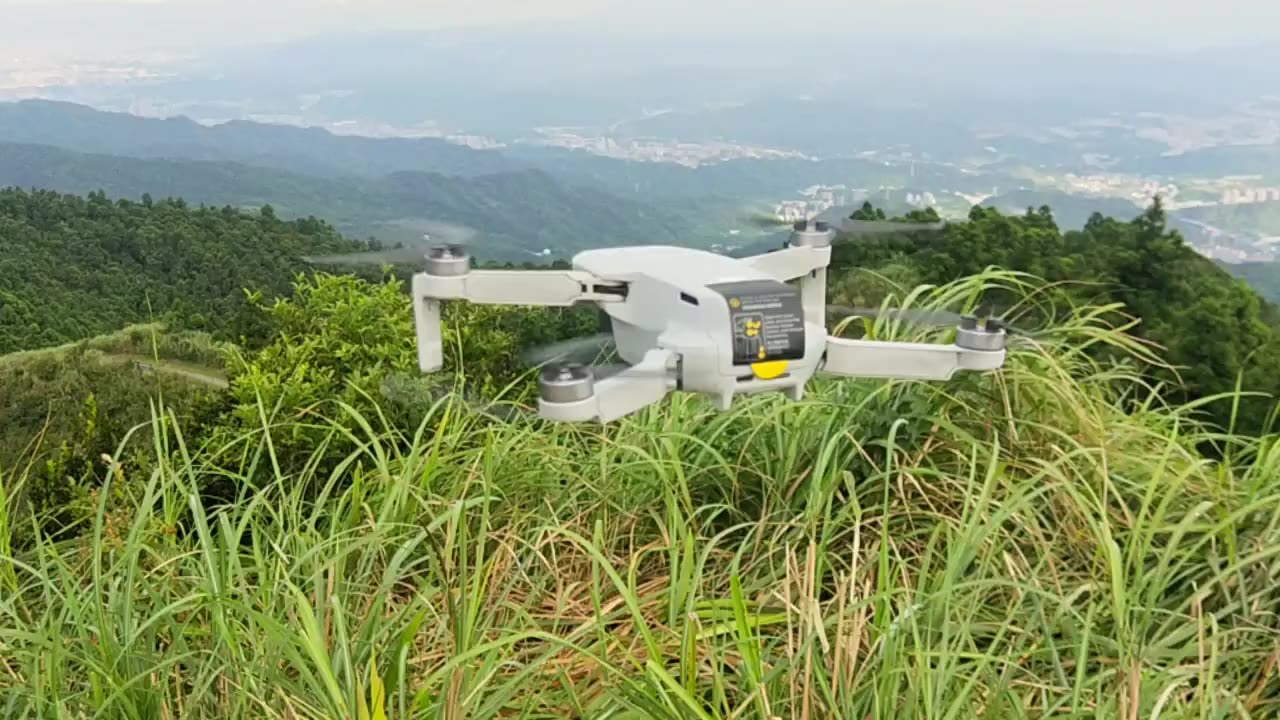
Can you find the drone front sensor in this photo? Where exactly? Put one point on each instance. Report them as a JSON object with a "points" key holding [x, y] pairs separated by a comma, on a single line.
{"points": [[686, 320]]}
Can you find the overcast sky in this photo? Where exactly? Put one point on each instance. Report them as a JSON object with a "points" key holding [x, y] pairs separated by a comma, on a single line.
{"points": [[87, 27]]}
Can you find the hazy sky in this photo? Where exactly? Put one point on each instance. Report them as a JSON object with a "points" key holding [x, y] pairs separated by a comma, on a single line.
{"points": [[87, 27]]}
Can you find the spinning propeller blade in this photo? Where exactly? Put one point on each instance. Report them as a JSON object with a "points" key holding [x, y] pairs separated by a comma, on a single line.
{"points": [[847, 227], [411, 391], [435, 233], [881, 227], [589, 350], [598, 353], [933, 318]]}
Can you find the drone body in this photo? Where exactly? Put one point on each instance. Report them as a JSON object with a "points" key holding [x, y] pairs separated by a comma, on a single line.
{"points": [[693, 321]]}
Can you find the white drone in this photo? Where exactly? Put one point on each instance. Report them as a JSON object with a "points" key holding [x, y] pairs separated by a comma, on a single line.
{"points": [[687, 320]]}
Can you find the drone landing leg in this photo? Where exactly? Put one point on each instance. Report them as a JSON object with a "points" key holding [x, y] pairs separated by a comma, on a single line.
{"points": [[813, 293], [426, 315]]}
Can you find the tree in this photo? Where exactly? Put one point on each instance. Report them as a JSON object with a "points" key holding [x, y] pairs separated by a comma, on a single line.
{"points": [[867, 212]]}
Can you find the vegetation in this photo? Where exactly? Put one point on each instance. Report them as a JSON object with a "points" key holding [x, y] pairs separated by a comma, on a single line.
{"points": [[1045, 541], [77, 267], [66, 408], [1215, 331], [298, 525]]}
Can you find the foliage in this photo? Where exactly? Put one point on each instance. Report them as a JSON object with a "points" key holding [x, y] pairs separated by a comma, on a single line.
{"points": [[1009, 545], [1215, 330], [341, 341], [77, 267], [67, 408]]}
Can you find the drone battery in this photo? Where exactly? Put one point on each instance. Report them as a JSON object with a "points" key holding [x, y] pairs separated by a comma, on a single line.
{"points": [[767, 320]]}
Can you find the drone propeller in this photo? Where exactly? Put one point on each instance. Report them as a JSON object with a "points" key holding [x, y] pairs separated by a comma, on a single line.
{"points": [[588, 350], [417, 393], [882, 227], [597, 353], [436, 234], [933, 318], [848, 227]]}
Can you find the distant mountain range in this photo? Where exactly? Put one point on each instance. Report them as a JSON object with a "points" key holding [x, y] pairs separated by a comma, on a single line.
{"points": [[525, 199], [302, 150], [519, 212], [317, 152]]}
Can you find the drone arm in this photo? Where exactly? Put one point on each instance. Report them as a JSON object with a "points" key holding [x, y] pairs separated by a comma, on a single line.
{"points": [[519, 287], [620, 395], [908, 361], [793, 262]]}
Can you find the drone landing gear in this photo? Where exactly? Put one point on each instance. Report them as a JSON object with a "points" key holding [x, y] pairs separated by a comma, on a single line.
{"points": [[570, 393]]}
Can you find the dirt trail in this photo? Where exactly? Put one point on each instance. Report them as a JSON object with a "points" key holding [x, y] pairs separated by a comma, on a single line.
{"points": [[199, 374]]}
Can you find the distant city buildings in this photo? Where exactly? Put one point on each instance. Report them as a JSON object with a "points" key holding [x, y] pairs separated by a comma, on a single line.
{"points": [[688, 154], [817, 199], [1244, 196], [1135, 188], [26, 78]]}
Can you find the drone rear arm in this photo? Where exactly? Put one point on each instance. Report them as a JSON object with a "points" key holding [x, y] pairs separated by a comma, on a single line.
{"points": [[908, 361]]}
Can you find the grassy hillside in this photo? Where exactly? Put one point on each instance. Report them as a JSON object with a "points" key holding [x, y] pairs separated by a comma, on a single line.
{"points": [[518, 212], [1012, 545]]}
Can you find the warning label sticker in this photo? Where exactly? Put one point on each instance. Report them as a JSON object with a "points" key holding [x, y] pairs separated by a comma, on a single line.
{"points": [[767, 317]]}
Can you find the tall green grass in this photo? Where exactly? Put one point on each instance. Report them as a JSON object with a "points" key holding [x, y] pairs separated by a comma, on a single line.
{"points": [[1047, 541]]}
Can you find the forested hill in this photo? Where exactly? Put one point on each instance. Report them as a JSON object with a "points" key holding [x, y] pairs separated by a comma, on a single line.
{"points": [[72, 267]]}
